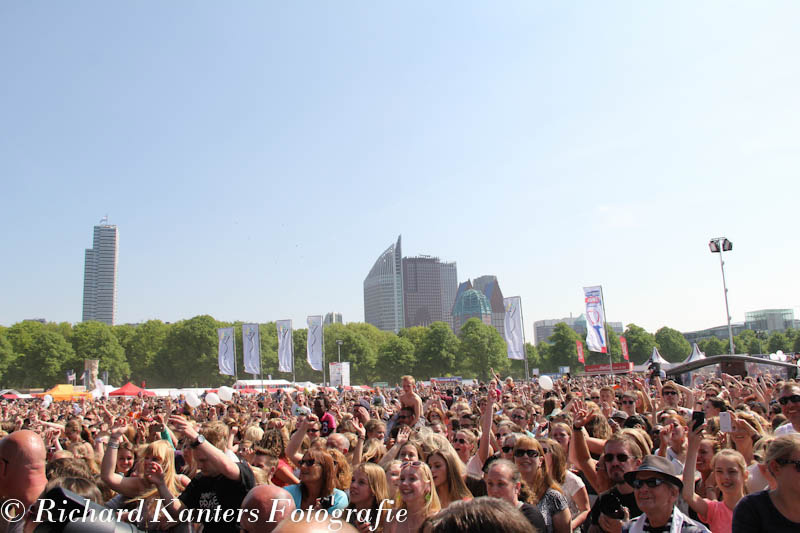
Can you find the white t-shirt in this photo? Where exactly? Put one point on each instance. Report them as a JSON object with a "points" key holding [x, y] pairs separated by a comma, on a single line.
{"points": [[572, 484]]}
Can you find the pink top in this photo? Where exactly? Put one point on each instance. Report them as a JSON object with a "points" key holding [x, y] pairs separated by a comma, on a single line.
{"points": [[718, 517]]}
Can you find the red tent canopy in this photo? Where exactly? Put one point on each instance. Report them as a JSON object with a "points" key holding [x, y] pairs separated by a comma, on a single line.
{"points": [[129, 389]]}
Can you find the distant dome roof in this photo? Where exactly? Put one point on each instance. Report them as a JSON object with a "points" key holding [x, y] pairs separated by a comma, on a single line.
{"points": [[472, 302]]}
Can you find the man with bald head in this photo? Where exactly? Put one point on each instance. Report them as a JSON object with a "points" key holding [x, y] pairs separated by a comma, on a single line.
{"points": [[22, 471], [265, 507]]}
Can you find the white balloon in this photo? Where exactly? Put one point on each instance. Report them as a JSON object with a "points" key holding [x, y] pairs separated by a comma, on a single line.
{"points": [[192, 399], [212, 399], [45, 404], [546, 383], [225, 394], [96, 393], [174, 394], [48, 398]]}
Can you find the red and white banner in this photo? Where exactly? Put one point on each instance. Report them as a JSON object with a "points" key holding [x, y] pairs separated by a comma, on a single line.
{"points": [[579, 346], [624, 343]]}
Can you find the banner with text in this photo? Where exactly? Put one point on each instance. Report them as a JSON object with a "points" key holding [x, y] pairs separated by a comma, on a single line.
{"points": [[227, 354], [285, 359], [579, 346], [624, 343], [314, 347], [513, 328], [595, 319], [251, 345]]}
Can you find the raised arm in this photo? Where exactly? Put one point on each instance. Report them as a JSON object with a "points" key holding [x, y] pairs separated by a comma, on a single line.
{"points": [[486, 427], [220, 462], [697, 503], [127, 486]]}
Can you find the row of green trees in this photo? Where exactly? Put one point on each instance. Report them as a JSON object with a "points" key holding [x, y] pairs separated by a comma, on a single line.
{"points": [[33, 354]]}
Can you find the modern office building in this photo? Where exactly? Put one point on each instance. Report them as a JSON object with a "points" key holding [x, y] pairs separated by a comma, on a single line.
{"points": [[332, 318], [543, 329], [429, 289], [769, 320], [100, 275], [471, 303], [720, 332], [383, 291], [489, 286]]}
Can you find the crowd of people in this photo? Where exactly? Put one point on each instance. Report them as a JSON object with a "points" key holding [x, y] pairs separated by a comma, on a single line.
{"points": [[610, 454]]}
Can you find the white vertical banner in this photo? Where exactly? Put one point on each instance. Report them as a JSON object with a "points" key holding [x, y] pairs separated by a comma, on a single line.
{"points": [[227, 354], [595, 319], [513, 327], [285, 359], [251, 345], [314, 347]]}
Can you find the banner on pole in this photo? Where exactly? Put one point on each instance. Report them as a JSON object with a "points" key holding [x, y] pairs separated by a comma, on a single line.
{"points": [[595, 319], [314, 347], [285, 359], [227, 354], [513, 328], [251, 347], [579, 346], [624, 343]]}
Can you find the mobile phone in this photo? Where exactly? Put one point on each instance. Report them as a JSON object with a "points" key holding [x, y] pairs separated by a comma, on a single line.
{"points": [[698, 418], [725, 424], [326, 502]]}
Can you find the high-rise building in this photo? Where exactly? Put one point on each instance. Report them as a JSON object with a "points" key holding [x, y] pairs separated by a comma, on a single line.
{"points": [[332, 318], [383, 291], [471, 303], [491, 289], [429, 288], [769, 320], [100, 275]]}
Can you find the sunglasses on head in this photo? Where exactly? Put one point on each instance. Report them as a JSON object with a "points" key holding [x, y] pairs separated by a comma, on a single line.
{"points": [[653, 482], [794, 398], [523, 453], [784, 462], [307, 462], [621, 457]]}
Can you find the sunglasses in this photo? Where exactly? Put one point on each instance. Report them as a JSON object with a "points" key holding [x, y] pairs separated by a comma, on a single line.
{"points": [[595, 397], [628, 402], [461, 441], [307, 462], [670, 393], [411, 463], [794, 398], [621, 457], [507, 449], [523, 453], [518, 417], [784, 462], [652, 482], [545, 450]]}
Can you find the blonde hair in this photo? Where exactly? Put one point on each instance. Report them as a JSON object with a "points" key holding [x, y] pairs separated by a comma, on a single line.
{"points": [[432, 503], [737, 458], [782, 447], [253, 434], [376, 478], [455, 474], [162, 451]]}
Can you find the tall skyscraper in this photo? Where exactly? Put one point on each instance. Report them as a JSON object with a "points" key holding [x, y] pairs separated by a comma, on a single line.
{"points": [[332, 318], [100, 275], [491, 289], [383, 291], [429, 288]]}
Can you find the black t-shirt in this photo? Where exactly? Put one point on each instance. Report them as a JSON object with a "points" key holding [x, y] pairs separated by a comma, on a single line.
{"points": [[534, 516], [628, 500], [221, 493], [756, 513]]}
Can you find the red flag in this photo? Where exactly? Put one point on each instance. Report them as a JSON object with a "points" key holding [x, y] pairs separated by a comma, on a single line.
{"points": [[624, 344], [579, 345]]}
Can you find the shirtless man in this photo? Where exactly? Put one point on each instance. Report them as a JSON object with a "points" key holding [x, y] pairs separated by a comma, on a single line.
{"points": [[411, 399]]}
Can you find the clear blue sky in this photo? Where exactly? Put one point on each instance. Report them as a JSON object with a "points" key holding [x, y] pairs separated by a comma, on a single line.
{"points": [[258, 156]]}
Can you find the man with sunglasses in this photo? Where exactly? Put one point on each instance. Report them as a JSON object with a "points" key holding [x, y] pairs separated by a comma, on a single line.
{"points": [[790, 406], [656, 487], [620, 457]]}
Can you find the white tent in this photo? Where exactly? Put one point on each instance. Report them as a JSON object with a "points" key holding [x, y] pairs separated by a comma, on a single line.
{"points": [[696, 354], [655, 357]]}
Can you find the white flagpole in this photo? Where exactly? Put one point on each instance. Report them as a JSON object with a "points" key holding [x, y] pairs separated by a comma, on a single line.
{"points": [[323, 352], [235, 373], [524, 350], [291, 345]]}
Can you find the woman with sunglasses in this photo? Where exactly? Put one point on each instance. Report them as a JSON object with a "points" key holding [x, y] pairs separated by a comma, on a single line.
{"points": [[529, 458], [777, 510], [572, 486], [448, 477], [317, 483], [417, 495]]}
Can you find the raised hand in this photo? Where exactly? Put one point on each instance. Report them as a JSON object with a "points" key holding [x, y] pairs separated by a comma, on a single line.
{"points": [[154, 474]]}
